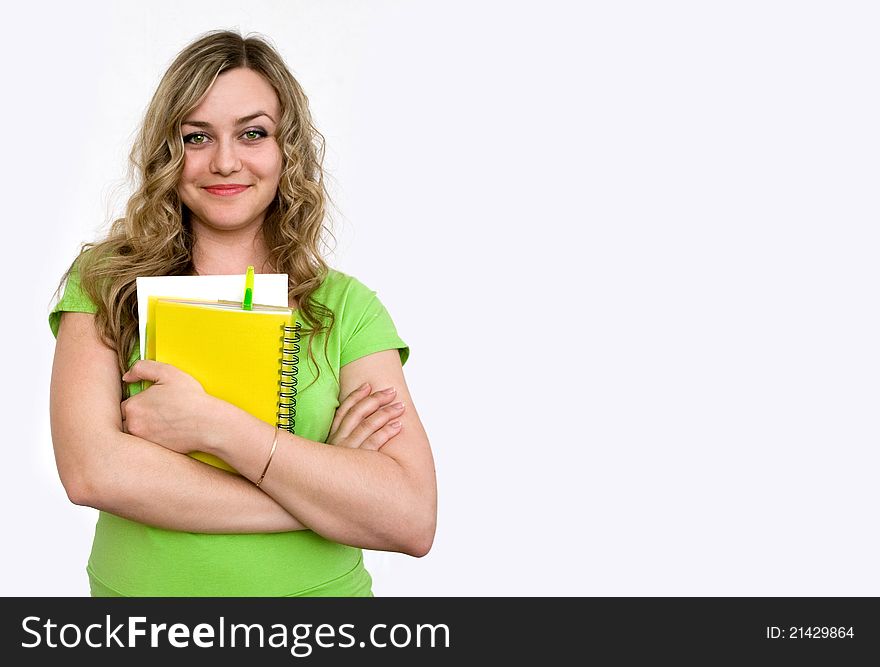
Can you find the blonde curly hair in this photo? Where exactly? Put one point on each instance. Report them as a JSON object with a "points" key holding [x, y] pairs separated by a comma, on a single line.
{"points": [[154, 238]]}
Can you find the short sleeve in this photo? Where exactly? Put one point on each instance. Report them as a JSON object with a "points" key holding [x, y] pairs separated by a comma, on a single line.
{"points": [[365, 325], [72, 300]]}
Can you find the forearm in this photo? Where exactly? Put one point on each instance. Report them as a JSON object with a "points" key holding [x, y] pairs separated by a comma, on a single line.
{"points": [[141, 481], [102, 466], [353, 496]]}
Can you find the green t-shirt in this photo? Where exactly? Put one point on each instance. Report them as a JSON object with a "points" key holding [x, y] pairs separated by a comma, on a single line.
{"points": [[133, 559]]}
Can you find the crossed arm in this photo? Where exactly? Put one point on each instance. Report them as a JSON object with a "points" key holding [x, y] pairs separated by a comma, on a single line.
{"points": [[375, 488]]}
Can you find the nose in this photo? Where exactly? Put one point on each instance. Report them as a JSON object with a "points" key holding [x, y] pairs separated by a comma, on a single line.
{"points": [[225, 158]]}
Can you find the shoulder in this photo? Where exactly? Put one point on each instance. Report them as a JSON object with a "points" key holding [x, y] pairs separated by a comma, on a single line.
{"points": [[73, 297], [340, 290], [364, 324], [337, 281]]}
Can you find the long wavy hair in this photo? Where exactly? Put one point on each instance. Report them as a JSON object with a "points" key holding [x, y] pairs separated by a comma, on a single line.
{"points": [[154, 238]]}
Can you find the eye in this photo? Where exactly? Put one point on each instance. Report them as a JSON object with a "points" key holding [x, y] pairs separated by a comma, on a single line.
{"points": [[253, 135], [196, 138]]}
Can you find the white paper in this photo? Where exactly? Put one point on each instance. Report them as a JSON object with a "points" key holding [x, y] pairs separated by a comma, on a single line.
{"points": [[270, 289]]}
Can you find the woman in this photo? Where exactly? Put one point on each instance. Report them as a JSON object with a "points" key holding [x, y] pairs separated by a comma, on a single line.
{"points": [[230, 176]]}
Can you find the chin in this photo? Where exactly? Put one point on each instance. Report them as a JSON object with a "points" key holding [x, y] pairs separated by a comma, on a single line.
{"points": [[226, 222]]}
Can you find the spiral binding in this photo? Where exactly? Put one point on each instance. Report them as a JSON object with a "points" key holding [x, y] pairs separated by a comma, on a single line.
{"points": [[289, 363]]}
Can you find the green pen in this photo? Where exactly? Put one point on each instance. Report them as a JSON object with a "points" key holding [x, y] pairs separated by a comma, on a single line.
{"points": [[248, 303]]}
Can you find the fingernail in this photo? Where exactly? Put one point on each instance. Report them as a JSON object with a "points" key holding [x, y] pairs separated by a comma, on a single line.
{"points": [[397, 406], [390, 390], [363, 386], [394, 424]]}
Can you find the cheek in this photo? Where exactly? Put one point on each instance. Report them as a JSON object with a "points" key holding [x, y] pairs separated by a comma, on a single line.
{"points": [[276, 174], [191, 168], [271, 163], [187, 188]]}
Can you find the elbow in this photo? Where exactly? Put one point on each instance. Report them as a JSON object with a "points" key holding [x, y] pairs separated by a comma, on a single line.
{"points": [[78, 484], [420, 548], [78, 488], [421, 536], [77, 491], [85, 470]]}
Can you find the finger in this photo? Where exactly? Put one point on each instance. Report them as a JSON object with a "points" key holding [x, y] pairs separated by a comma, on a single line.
{"points": [[346, 405], [368, 426], [381, 437], [122, 407], [146, 369], [362, 409], [376, 421], [350, 412]]}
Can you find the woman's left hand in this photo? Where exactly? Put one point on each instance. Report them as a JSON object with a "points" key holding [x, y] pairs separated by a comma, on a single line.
{"points": [[170, 411]]}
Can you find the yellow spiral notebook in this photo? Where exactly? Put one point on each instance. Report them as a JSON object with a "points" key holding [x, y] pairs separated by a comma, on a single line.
{"points": [[246, 357]]}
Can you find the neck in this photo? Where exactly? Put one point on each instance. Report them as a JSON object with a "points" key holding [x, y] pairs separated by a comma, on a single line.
{"points": [[229, 253]]}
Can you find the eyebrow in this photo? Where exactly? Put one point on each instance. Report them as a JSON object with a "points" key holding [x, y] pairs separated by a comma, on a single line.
{"points": [[238, 121]]}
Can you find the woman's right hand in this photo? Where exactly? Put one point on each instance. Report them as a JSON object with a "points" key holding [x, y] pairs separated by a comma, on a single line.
{"points": [[364, 420]]}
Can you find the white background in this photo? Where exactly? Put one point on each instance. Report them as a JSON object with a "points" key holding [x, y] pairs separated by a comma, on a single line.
{"points": [[633, 246]]}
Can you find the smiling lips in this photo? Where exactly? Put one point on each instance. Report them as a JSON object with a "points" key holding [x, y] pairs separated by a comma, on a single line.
{"points": [[226, 190]]}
